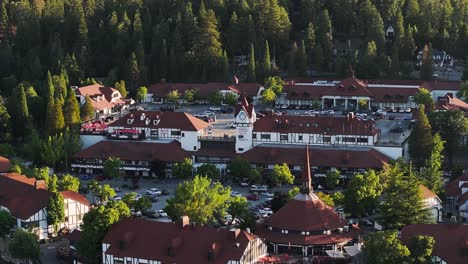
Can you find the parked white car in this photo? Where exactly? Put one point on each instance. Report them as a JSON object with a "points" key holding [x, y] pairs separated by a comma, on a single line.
{"points": [[200, 115], [267, 194], [161, 213], [267, 211], [153, 191], [234, 194], [117, 198], [213, 108]]}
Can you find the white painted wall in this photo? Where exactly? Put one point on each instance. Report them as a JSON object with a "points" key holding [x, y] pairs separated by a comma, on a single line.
{"points": [[42, 230], [189, 140], [75, 212], [393, 152]]}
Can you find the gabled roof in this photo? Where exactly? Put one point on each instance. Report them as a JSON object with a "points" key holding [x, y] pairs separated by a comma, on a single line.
{"points": [[75, 197], [101, 96], [143, 239], [426, 193], [23, 196], [245, 106], [453, 188], [450, 240], [316, 125], [5, 164], [174, 120], [136, 151], [361, 157]]}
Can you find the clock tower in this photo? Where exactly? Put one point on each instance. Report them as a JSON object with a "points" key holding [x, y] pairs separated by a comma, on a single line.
{"points": [[244, 118]]}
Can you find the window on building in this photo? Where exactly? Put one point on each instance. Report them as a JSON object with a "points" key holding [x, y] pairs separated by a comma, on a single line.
{"points": [[183, 134], [175, 132], [326, 139], [349, 140], [240, 149], [284, 137], [362, 140], [265, 136], [300, 138], [194, 147], [254, 136]]}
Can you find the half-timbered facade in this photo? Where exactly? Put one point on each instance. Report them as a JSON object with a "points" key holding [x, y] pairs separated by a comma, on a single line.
{"points": [[27, 198]]}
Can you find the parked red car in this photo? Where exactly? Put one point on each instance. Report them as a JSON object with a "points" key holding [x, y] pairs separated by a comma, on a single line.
{"points": [[252, 197], [100, 177]]}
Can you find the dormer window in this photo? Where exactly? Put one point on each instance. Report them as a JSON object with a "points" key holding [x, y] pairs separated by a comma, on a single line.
{"points": [[156, 122], [130, 121]]}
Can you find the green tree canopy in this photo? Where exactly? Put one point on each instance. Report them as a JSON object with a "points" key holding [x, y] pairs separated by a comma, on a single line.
{"points": [[431, 175], [384, 247], [55, 210], [281, 174], [420, 140], [87, 109], [424, 97], [71, 111], [24, 245], [173, 97], [7, 222], [215, 98], [141, 93], [362, 193], [200, 200], [111, 167], [332, 179], [68, 182], [184, 169], [268, 97], [421, 248], [121, 87], [401, 203], [275, 83], [209, 170], [230, 99]]}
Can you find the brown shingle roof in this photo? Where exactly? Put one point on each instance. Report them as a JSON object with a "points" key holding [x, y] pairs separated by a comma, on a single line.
{"points": [[448, 238], [316, 125], [150, 240], [176, 120], [19, 194], [136, 151], [75, 197], [321, 157], [160, 90], [5, 164]]}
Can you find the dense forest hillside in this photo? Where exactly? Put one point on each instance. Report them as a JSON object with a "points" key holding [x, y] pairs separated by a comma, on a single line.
{"points": [[143, 41]]}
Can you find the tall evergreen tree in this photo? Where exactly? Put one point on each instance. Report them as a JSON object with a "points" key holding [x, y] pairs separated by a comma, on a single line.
{"points": [[292, 60], [373, 25], [133, 74], [427, 67], [56, 122], [301, 60], [251, 76], [18, 109], [420, 140], [87, 110], [324, 34], [3, 17], [225, 70], [71, 111], [432, 175], [407, 44], [266, 61], [121, 87]]}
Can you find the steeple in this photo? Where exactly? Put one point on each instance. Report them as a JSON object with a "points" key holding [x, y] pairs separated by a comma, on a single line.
{"points": [[245, 102], [306, 179]]}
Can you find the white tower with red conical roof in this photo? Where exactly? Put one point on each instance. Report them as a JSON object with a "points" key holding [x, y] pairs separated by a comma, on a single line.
{"points": [[245, 118]]}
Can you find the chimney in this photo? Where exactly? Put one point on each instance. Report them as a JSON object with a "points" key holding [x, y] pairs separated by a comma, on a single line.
{"points": [[247, 230], [184, 221], [39, 184], [147, 121], [142, 116]]}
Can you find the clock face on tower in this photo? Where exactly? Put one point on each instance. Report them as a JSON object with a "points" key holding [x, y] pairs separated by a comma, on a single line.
{"points": [[242, 116]]}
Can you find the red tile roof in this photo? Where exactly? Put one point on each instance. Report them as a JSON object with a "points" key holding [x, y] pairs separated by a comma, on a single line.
{"points": [[151, 240], [451, 103], [306, 215], [175, 120], [449, 240], [379, 90], [135, 151], [321, 157], [246, 106], [19, 194], [297, 239], [316, 125], [101, 97], [426, 193], [160, 90], [75, 197], [5, 164], [452, 188]]}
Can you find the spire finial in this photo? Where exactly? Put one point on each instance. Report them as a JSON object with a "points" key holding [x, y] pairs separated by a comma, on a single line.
{"points": [[306, 178]]}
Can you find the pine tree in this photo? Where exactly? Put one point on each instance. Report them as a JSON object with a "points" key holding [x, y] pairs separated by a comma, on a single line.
{"points": [[87, 110], [324, 33], [3, 18], [427, 67], [412, 12], [301, 60], [266, 61], [133, 74], [407, 44], [292, 56], [163, 60], [251, 76], [121, 87], [50, 92], [432, 175], [225, 70], [373, 25], [56, 122], [18, 109], [395, 67], [137, 28], [402, 202], [420, 140], [71, 111]]}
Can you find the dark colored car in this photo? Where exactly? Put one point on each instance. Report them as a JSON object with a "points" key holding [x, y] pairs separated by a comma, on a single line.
{"points": [[253, 197], [167, 108], [86, 177], [100, 177], [164, 192]]}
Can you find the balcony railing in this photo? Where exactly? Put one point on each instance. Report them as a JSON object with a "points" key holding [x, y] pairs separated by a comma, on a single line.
{"points": [[223, 138]]}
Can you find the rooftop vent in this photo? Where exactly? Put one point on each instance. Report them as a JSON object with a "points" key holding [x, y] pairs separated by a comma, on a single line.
{"points": [[142, 116], [147, 121]]}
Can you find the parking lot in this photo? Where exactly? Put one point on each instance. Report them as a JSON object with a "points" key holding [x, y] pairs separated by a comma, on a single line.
{"points": [[171, 185]]}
